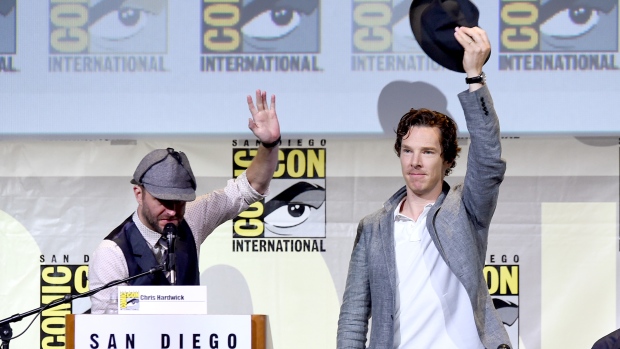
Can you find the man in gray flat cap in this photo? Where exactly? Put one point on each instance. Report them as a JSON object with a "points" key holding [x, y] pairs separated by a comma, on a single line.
{"points": [[163, 185]]}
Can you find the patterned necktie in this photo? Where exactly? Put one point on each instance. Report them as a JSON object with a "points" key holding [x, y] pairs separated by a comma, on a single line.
{"points": [[161, 252], [161, 249]]}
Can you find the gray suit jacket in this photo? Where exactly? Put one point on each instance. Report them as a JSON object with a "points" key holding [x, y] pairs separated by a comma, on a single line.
{"points": [[458, 224]]}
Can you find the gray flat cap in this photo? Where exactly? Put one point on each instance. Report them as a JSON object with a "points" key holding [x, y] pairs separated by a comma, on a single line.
{"points": [[167, 175]]}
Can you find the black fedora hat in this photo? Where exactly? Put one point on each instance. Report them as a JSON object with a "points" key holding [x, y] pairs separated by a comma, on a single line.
{"points": [[433, 23]]}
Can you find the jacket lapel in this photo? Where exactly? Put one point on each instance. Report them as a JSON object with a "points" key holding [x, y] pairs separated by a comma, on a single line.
{"points": [[386, 232], [431, 218]]}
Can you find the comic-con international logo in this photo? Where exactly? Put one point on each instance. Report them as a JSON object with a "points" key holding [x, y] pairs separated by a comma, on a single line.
{"points": [[8, 37], [292, 217], [129, 300], [503, 284], [260, 36], [382, 39], [558, 35], [107, 35], [58, 281]]}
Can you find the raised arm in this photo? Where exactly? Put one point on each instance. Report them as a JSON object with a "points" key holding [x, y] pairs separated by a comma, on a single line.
{"points": [[477, 48], [265, 126], [485, 167]]}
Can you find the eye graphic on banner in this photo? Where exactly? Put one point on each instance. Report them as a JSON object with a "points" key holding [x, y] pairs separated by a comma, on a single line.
{"points": [[278, 26], [293, 212], [585, 32], [79, 28], [272, 24], [130, 25], [579, 27], [264, 28]]}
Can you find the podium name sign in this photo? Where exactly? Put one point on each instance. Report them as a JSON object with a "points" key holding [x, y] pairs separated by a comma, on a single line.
{"points": [[162, 300], [162, 331]]}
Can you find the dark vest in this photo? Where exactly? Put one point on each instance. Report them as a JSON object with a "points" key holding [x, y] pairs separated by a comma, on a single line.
{"points": [[140, 258]]}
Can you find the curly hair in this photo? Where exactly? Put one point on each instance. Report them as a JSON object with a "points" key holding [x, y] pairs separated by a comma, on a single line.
{"points": [[428, 118]]}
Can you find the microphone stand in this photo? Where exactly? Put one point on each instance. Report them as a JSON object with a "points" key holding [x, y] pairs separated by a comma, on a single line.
{"points": [[171, 258], [6, 332]]}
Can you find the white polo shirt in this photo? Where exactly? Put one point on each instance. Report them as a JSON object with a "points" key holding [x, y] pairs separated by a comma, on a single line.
{"points": [[433, 309]]}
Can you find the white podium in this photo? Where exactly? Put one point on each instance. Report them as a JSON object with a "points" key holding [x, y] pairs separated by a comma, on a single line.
{"points": [[165, 331]]}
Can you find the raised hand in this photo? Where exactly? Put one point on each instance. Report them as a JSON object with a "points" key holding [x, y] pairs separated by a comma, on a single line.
{"points": [[264, 121], [477, 48]]}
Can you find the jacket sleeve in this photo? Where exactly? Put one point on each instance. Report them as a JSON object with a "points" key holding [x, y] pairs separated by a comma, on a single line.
{"points": [[355, 310], [485, 167]]}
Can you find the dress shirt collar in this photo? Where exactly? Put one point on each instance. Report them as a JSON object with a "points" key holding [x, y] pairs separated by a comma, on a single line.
{"points": [[401, 217]]}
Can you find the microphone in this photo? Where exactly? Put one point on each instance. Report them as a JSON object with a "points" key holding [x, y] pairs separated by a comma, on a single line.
{"points": [[170, 231]]}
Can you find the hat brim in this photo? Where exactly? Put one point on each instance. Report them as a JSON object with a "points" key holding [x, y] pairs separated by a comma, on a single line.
{"points": [[431, 48], [174, 194]]}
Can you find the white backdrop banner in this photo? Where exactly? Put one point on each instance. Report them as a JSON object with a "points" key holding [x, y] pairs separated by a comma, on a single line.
{"points": [[552, 262]]}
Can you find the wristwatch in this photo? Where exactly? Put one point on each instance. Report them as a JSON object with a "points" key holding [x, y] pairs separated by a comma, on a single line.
{"points": [[480, 79]]}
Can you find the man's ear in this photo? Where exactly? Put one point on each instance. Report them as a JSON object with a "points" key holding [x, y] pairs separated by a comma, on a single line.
{"points": [[137, 192]]}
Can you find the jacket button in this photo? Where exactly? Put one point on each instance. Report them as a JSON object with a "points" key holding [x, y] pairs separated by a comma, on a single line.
{"points": [[503, 346]]}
